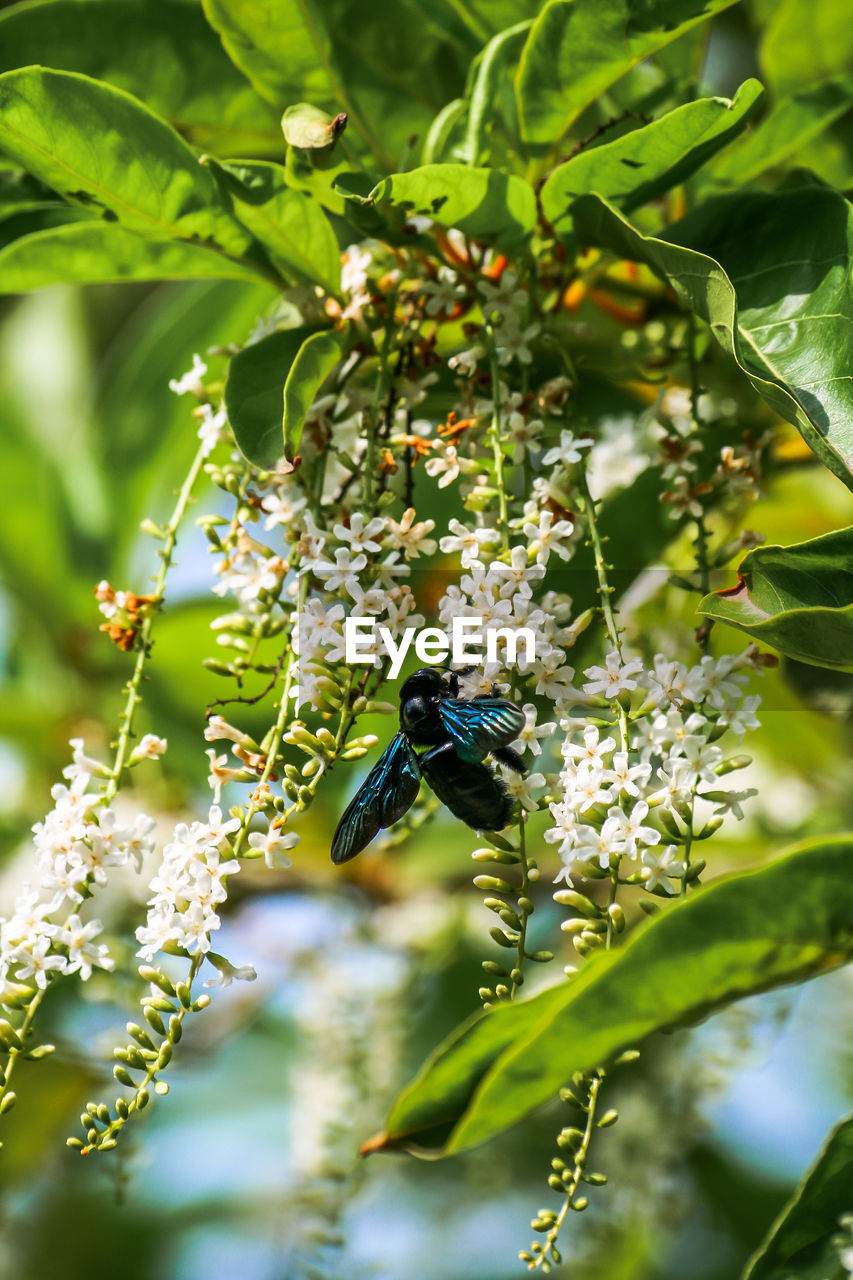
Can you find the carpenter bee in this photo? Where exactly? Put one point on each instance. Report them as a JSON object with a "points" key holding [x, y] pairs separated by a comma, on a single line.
{"points": [[459, 733]]}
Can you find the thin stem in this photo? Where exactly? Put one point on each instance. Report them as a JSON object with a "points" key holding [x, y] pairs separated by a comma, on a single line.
{"points": [[143, 641], [604, 588], [576, 1175], [496, 438]]}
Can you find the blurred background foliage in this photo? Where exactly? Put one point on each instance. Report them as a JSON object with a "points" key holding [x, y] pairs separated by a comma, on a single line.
{"points": [[250, 1170]]}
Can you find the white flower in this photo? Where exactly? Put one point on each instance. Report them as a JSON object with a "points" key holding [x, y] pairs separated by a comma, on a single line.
{"points": [[36, 961], [273, 845], [669, 681], [445, 465], [442, 293], [466, 362], [597, 846], [528, 738], [149, 747], [360, 535], [217, 829], [730, 801], [625, 775], [567, 451], [345, 565], [546, 536], [584, 787], [520, 788], [628, 828], [469, 541], [190, 381], [355, 265], [505, 297], [742, 717], [411, 538], [281, 508], [616, 459], [593, 751], [212, 429], [82, 953], [511, 342], [614, 677], [701, 757], [659, 866], [228, 972]]}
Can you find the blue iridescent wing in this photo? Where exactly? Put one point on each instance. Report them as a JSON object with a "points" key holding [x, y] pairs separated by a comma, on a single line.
{"points": [[387, 792], [481, 725], [471, 791]]}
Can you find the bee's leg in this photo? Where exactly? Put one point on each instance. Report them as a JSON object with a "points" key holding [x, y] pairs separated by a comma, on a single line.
{"points": [[453, 678], [510, 758]]}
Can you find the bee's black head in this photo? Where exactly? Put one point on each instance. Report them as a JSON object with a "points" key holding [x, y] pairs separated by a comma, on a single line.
{"points": [[425, 683]]}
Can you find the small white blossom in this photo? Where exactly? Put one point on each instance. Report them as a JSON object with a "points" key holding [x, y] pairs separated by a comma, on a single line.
{"points": [[614, 677]]}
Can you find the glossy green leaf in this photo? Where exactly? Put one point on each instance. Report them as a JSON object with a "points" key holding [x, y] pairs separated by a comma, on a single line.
{"points": [[771, 273], [314, 361], [501, 52], [792, 124], [107, 253], [782, 923], [290, 225], [483, 203], [162, 51], [254, 391], [101, 148], [578, 48], [384, 65], [800, 1245], [643, 164], [796, 599]]}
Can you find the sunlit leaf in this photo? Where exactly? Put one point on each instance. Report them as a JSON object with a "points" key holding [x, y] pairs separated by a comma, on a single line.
{"points": [[290, 225], [101, 148], [578, 48], [486, 204], [162, 51], [108, 253], [771, 273], [785, 922], [254, 393], [384, 65], [643, 164], [314, 361], [500, 52], [806, 44], [801, 1244], [792, 124], [796, 599]]}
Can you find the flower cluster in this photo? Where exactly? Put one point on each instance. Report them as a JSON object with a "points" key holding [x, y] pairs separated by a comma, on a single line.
{"points": [[75, 844], [189, 886], [657, 764]]}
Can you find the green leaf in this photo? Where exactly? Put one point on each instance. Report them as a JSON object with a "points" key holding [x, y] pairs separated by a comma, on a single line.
{"points": [[800, 1244], [101, 148], [578, 48], [771, 273], [782, 923], [498, 53], [643, 164], [162, 51], [107, 253], [385, 65], [787, 129], [797, 599], [314, 361], [290, 225], [483, 203], [253, 393]]}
